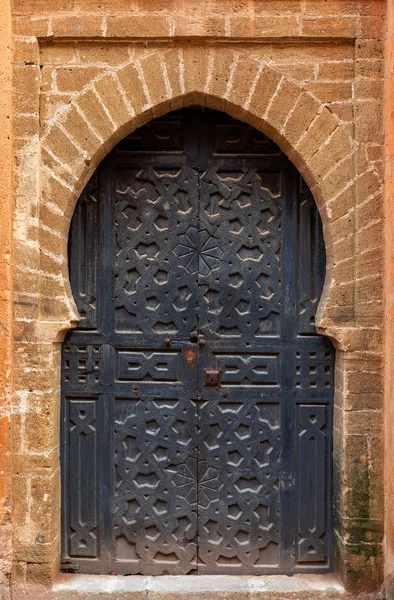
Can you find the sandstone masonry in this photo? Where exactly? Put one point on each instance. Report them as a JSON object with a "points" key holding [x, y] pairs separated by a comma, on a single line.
{"points": [[309, 74]]}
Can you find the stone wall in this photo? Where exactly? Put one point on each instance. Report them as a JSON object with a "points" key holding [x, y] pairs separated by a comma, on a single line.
{"points": [[389, 306], [309, 74], [6, 191]]}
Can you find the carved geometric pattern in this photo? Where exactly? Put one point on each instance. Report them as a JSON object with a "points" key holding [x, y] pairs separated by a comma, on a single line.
{"points": [[146, 366], [83, 255], [153, 291], [155, 518], [312, 444], [81, 364], [240, 296], [239, 481], [314, 370], [311, 270], [197, 248], [83, 505], [198, 252], [248, 369]]}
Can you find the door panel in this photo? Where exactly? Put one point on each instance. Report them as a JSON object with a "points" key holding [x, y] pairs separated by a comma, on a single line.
{"points": [[154, 301], [240, 295], [153, 218], [239, 489], [240, 437], [197, 396], [155, 501]]}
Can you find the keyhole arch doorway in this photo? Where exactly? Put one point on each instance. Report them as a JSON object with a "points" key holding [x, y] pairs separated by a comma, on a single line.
{"points": [[196, 393]]}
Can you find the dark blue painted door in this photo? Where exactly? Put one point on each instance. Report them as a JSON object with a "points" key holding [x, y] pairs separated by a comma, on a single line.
{"points": [[197, 395]]}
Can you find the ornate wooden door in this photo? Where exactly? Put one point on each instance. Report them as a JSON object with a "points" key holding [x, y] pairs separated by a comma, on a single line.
{"points": [[197, 396]]}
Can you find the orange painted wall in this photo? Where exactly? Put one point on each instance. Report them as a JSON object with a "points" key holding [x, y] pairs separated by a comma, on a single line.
{"points": [[6, 190], [389, 292]]}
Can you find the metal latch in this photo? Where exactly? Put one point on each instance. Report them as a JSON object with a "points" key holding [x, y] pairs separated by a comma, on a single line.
{"points": [[212, 377]]}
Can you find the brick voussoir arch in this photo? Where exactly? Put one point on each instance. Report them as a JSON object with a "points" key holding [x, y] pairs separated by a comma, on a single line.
{"points": [[117, 102]]}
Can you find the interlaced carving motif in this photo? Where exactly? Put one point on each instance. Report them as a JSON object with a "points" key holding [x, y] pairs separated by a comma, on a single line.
{"points": [[197, 396], [239, 513], [240, 295], [152, 291], [155, 517]]}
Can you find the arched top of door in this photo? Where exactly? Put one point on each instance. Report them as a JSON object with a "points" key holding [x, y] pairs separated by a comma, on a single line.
{"points": [[117, 103]]}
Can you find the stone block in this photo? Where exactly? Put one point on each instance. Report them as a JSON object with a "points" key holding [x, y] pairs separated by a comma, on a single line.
{"points": [[172, 61], [369, 121], [283, 102], [132, 84], [25, 86], [264, 26], [335, 71], [154, 76], [108, 89], [129, 26], [80, 132], [195, 68], [338, 26], [186, 25], [77, 26], [331, 91], [338, 146], [62, 147], [265, 87], [338, 178], [32, 26], [300, 118], [317, 134], [95, 114], [74, 79], [56, 192]]}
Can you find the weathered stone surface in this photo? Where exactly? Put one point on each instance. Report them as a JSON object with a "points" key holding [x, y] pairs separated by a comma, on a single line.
{"points": [[315, 86], [218, 587]]}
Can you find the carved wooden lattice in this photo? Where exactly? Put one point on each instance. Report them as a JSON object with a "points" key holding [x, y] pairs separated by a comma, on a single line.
{"points": [[196, 249]]}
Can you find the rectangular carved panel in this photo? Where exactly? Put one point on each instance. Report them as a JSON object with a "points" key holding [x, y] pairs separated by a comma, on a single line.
{"points": [[155, 266], [314, 370], [239, 138], [155, 501], [82, 483], [248, 369], [312, 484], [147, 366], [239, 486], [84, 255], [311, 270], [157, 136], [81, 363]]}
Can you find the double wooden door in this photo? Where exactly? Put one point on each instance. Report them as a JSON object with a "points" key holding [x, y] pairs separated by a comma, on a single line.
{"points": [[196, 415]]}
